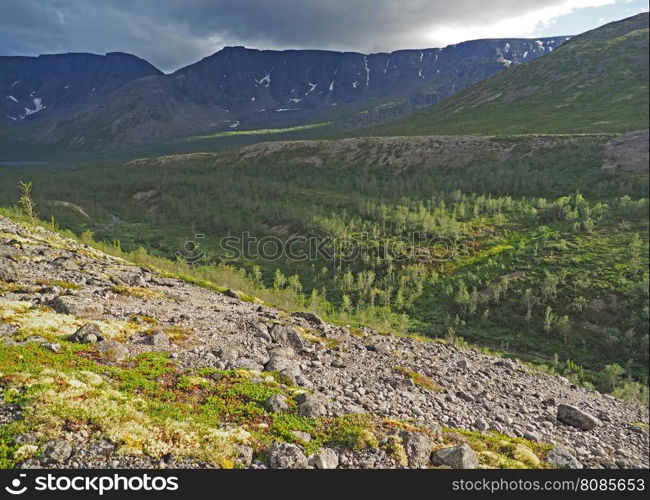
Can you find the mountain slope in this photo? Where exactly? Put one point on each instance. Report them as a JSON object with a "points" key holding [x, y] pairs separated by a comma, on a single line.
{"points": [[598, 81], [232, 382], [239, 88], [43, 87]]}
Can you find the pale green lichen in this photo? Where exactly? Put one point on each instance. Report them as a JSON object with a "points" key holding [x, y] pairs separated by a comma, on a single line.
{"points": [[40, 320]]}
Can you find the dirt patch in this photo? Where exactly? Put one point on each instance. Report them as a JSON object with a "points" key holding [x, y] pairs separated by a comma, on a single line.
{"points": [[170, 159], [68, 206], [395, 152], [148, 199], [628, 152]]}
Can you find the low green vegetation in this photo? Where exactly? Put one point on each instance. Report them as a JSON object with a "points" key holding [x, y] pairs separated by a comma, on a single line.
{"points": [[499, 451], [542, 254], [147, 406], [419, 379]]}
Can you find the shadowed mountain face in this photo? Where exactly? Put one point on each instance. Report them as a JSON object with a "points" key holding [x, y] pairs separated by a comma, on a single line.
{"points": [[239, 88], [47, 86]]}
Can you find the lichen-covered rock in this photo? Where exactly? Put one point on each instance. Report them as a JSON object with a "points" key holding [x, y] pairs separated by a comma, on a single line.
{"points": [[244, 455], [312, 405], [87, 334], [276, 403], [113, 350], [158, 339], [8, 270], [284, 334], [57, 451], [417, 447], [287, 456]]}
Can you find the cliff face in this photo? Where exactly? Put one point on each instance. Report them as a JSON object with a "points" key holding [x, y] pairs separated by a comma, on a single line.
{"points": [[43, 87], [147, 370], [83, 100]]}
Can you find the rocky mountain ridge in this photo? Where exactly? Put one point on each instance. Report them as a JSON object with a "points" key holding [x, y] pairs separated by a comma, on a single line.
{"points": [[47, 86], [280, 390], [239, 88]]}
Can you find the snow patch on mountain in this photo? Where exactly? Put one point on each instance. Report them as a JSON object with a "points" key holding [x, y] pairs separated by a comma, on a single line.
{"points": [[265, 81], [38, 106], [365, 65]]}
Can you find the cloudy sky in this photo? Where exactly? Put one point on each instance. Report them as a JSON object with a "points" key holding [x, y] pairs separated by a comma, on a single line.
{"points": [[173, 33]]}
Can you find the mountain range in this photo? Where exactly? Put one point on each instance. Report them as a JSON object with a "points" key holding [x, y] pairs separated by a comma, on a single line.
{"points": [[84, 100], [598, 82]]}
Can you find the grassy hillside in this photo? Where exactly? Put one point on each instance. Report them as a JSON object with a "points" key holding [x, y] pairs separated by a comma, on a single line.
{"points": [[458, 238], [596, 82]]}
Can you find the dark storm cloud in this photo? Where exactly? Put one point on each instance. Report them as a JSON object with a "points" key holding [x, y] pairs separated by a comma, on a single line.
{"points": [[172, 33]]}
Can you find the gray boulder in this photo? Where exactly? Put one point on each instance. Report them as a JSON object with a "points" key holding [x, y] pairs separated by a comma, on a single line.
{"points": [[87, 334], [575, 417], [563, 458], [52, 346], [481, 424], [158, 339], [312, 405], [417, 447], [244, 455], [8, 271], [279, 364], [245, 364], [311, 317], [134, 279], [85, 308], [326, 458], [456, 457], [113, 350], [57, 451], [283, 334], [276, 403], [287, 456], [226, 353]]}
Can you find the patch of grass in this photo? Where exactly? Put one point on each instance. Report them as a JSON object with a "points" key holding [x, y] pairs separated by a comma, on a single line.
{"points": [[143, 318], [419, 379], [13, 287], [138, 292], [59, 283], [43, 321], [499, 451], [328, 342]]}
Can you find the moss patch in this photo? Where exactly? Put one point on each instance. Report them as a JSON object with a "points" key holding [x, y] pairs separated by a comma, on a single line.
{"points": [[499, 451], [419, 379]]}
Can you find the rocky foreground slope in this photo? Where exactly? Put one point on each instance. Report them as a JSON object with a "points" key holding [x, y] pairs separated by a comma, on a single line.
{"points": [[107, 364]]}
